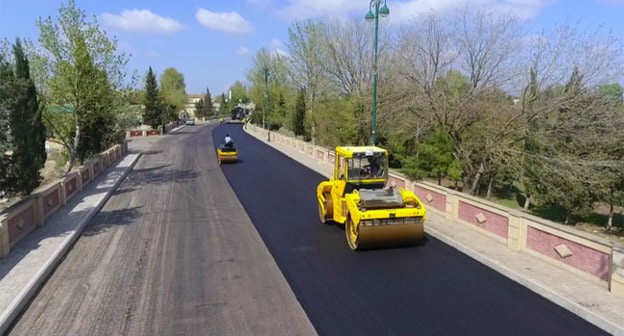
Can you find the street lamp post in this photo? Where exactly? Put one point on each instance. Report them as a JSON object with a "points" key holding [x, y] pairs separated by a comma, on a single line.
{"points": [[375, 9], [266, 101]]}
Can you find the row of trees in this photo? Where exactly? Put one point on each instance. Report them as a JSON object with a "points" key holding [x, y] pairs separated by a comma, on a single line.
{"points": [[72, 86], [472, 97], [22, 134], [163, 105], [204, 107]]}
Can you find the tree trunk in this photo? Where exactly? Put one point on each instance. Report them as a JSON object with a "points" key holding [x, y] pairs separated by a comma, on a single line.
{"points": [[72, 151], [439, 180], [465, 183], [610, 221], [488, 195], [475, 182], [567, 220], [527, 203]]}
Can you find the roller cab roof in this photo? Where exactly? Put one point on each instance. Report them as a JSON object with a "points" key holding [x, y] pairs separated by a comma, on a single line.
{"points": [[360, 151]]}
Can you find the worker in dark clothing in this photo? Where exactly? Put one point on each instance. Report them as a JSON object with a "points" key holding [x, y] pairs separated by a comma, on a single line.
{"points": [[373, 167], [228, 141]]}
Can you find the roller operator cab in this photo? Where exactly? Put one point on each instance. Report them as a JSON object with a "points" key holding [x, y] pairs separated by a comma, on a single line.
{"points": [[356, 195]]}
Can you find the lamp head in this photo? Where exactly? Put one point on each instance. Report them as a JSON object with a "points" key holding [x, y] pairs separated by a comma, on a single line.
{"points": [[384, 10]]}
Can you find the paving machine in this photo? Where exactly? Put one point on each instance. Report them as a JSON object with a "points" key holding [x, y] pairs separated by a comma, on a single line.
{"points": [[374, 215], [227, 153]]}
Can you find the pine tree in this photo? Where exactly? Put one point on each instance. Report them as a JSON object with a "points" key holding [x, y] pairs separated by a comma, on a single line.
{"points": [[6, 99], [208, 106], [299, 115], [95, 104], [28, 132], [223, 108], [200, 108], [152, 114]]}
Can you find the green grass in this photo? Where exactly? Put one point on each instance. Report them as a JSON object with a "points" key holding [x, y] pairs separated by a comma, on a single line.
{"points": [[506, 202], [512, 197]]}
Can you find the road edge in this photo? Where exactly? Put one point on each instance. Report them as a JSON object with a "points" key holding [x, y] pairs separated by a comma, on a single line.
{"points": [[531, 284], [26, 294]]}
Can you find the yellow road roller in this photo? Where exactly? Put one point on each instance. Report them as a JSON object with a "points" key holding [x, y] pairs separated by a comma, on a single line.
{"points": [[374, 215], [227, 153]]}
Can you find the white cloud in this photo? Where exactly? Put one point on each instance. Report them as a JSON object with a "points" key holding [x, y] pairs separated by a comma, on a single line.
{"points": [[277, 47], [304, 9], [407, 9], [230, 22], [142, 21], [276, 44], [523, 9], [243, 51]]}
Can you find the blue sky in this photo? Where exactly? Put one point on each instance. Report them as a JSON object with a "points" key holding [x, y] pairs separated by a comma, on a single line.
{"points": [[212, 42]]}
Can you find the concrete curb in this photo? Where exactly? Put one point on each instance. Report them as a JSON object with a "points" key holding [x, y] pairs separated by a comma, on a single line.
{"points": [[26, 294], [176, 129]]}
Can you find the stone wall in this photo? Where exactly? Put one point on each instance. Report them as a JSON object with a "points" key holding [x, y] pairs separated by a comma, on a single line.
{"points": [[19, 220]]}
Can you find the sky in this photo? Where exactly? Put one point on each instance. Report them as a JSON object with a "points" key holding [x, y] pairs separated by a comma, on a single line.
{"points": [[212, 43]]}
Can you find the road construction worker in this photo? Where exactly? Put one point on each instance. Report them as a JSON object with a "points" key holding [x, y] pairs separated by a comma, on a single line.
{"points": [[228, 141]]}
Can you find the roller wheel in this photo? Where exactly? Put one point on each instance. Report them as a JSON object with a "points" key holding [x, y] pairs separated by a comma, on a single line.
{"points": [[328, 215], [329, 206], [322, 213], [352, 233]]}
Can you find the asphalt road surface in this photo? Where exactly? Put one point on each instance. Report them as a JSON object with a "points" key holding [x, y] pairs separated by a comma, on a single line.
{"points": [[426, 290], [174, 253], [171, 253]]}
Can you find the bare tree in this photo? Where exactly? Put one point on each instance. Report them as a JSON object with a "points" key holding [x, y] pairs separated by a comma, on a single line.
{"points": [[305, 48], [425, 51], [269, 80], [349, 56], [554, 54], [487, 42]]}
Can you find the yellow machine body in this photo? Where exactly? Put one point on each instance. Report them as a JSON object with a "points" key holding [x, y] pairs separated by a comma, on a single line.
{"points": [[374, 214], [225, 155]]}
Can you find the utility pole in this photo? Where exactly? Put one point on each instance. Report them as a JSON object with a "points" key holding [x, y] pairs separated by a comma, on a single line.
{"points": [[374, 16]]}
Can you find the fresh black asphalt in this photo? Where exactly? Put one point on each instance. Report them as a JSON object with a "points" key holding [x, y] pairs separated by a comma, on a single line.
{"points": [[431, 289]]}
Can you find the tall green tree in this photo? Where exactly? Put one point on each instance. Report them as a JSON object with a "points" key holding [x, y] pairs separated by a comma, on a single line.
{"points": [[223, 105], [200, 108], [173, 92], [269, 89], [239, 94], [208, 105], [152, 114], [95, 102], [80, 69], [298, 123], [435, 158], [7, 100], [28, 132]]}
